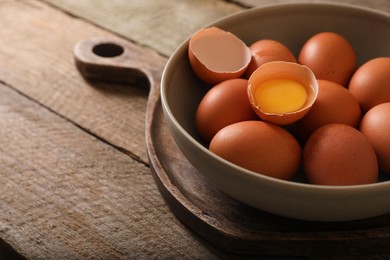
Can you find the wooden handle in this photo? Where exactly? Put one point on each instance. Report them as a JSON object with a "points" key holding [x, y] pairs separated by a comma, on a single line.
{"points": [[104, 58]]}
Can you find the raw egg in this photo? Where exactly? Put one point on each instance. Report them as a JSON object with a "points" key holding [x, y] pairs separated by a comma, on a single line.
{"points": [[330, 56], [375, 125], [370, 84], [267, 50], [338, 154], [224, 104], [282, 92], [334, 104], [216, 55], [259, 146]]}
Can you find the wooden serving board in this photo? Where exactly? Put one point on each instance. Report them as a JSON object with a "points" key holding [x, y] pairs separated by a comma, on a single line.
{"points": [[236, 227], [218, 218]]}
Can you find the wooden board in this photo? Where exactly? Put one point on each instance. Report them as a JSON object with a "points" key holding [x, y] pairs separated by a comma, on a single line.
{"points": [[238, 228]]}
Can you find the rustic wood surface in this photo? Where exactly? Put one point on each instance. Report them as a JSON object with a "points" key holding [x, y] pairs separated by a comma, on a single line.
{"points": [[163, 25], [69, 189], [38, 61], [75, 181]]}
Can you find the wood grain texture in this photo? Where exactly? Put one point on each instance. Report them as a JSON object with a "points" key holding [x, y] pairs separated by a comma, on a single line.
{"points": [[152, 22], [382, 5], [36, 58], [64, 194], [160, 25]]}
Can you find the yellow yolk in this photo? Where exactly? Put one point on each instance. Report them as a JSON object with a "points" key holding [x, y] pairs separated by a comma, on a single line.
{"points": [[280, 96]]}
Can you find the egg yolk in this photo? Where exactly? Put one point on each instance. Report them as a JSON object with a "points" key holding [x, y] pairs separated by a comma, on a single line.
{"points": [[280, 96]]}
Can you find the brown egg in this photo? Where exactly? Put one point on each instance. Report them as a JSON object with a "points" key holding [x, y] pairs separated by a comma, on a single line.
{"points": [[282, 92], [338, 154], [260, 147], [375, 125], [216, 55], [224, 104], [334, 104], [370, 84], [330, 56], [267, 50]]}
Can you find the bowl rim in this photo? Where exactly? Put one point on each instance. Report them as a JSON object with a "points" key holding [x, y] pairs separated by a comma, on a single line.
{"points": [[182, 48]]}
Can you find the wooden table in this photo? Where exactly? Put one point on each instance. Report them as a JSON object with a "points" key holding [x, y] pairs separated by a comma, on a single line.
{"points": [[75, 180]]}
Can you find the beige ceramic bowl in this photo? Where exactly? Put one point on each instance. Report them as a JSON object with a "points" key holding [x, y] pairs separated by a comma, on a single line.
{"points": [[181, 91]]}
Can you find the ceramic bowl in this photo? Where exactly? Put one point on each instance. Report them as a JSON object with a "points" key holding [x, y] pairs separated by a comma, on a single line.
{"points": [[292, 24]]}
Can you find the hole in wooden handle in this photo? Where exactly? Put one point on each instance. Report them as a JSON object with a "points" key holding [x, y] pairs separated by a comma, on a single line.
{"points": [[108, 50], [104, 58]]}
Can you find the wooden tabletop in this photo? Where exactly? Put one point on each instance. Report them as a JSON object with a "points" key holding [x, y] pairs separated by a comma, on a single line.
{"points": [[75, 179]]}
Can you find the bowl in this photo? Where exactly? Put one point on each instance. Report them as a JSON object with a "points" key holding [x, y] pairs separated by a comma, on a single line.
{"points": [[292, 24]]}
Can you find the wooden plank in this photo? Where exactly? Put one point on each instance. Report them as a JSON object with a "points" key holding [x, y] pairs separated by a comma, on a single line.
{"points": [[152, 22], [36, 58], [64, 194], [382, 5], [160, 25]]}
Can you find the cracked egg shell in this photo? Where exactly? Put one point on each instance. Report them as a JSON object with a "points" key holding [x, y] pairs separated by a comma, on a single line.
{"points": [[275, 70], [216, 55]]}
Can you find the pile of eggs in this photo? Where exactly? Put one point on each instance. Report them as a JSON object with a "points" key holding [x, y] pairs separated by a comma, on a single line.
{"points": [[274, 114]]}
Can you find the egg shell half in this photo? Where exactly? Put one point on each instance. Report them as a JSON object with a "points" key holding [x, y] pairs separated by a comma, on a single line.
{"points": [[216, 55], [283, 70]]}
